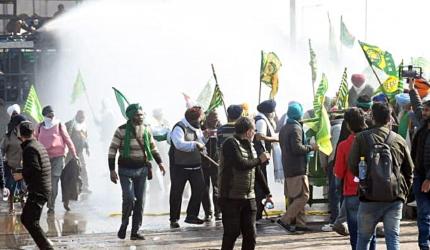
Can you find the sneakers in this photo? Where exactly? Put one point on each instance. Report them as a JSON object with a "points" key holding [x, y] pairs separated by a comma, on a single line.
{"points": [[122, 232], [174, 224], [137, 236], [196, 221], [341, 229], [327, 228], [289, 228]]}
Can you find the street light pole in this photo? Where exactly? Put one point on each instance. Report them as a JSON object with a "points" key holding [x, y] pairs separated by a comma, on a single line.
{"points": [[293, 23]]}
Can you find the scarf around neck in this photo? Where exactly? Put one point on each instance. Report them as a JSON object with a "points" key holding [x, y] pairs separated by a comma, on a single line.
{"points": [[130, 131]]}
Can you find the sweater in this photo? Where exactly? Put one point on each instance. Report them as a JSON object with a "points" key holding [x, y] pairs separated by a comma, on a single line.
{"points": [[137, 158], [341, 170], [12, 151], [55, 140]]}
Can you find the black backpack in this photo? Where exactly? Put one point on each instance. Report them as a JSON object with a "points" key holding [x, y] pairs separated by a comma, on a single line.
{"points": [[382, 181]]}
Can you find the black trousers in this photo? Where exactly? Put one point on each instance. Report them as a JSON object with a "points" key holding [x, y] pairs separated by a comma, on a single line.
{"points": [[238, 216], [178, 179], [259, 193], [211, 178], [30, 218]]}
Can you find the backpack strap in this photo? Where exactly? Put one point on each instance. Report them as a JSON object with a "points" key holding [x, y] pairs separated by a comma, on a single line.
{"points": [[370, 142]]}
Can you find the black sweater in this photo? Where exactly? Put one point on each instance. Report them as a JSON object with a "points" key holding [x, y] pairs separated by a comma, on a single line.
{"points": [[36, 168]]}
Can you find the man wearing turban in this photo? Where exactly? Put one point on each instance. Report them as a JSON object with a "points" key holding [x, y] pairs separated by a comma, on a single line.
{"points": [[137, 148], [359, 88]]}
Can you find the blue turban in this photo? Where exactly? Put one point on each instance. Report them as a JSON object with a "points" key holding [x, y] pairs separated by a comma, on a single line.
{"points": [[380, 98], [234, 111], [267, 106], [403, 99], [295, 111]]}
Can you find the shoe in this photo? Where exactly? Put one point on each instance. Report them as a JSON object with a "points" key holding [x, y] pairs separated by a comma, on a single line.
{"points": [[218, 217], [412, 204], [303, 228], [194, 221], [137, 236], [340, 229], [66, 206], [289, 228], [122, 232], [327, 228], [380, 233], [174, 224], [208, 218], [51, 211]]}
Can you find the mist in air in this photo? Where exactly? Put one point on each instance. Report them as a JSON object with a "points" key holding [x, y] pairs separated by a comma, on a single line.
{"points": [[154, 50]]}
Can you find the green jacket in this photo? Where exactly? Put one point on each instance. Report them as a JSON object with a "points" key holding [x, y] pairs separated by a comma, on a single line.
{"points": [[399, 150]]}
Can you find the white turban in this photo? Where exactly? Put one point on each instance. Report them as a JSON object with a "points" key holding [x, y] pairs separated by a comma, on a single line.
{"points": [[13, 108]]}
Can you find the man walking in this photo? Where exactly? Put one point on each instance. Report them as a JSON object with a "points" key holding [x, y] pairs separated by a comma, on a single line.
{"points": [[239, 171], [421, 156], [37, 175], [136, 148], [295, 152], [384, 182], [77, 129]]}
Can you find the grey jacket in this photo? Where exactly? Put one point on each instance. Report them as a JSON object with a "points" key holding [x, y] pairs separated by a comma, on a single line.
{"points": [[294, 150]]}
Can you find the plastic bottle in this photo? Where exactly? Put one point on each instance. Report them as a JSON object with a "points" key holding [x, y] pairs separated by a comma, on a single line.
{"points": [[362, 173]]}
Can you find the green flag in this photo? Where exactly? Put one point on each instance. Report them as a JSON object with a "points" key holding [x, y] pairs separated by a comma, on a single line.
{"points": [[423, 63], [342, 94], [217, 99], [323, 135], [379, 58], [320, 94], [313, 63], [122, 101], [32, 105], [78, 88], [346, 38], [270, 65]]}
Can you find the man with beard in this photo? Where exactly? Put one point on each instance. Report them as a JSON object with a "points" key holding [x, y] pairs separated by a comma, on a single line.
{"points": [[136, 148], [77, 129], [187, 142], [359, 88], [421, 157], [265, 136]]}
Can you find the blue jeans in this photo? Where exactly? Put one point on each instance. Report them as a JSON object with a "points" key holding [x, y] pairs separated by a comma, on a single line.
{"points": [[351, 204], [423, 213], [334, 196], [370, 213], [133, 185]]}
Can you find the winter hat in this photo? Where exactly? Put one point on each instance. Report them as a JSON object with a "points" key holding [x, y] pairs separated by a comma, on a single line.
{"points": [[267, 106], [358, 80], [46, 110], [234, 112], [295, 111]]}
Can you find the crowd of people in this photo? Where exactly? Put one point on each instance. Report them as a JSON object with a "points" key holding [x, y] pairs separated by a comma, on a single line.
{"points": [[380, 161]]}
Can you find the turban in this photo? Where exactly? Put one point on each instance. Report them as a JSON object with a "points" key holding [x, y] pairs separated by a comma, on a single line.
{"points": [[267, 106], [380, 98], [132, 109], [357, 80], [422, 87], [234, 112], [295, 111], [193, 113], [14, 108], [403, 99]]}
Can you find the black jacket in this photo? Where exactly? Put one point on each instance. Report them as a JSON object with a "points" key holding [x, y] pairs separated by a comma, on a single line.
{"points": [[70, 181], [294, 151], [421, 142], [36, 168], [239, 170]]}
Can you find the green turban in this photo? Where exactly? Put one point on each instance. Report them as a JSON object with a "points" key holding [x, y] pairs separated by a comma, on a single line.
{"points": [[132, 110]]}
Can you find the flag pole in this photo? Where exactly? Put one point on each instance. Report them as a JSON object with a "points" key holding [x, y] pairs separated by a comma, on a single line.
{"points": [[216, 82], [261, 68], [313, 82], [89, 103]]}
